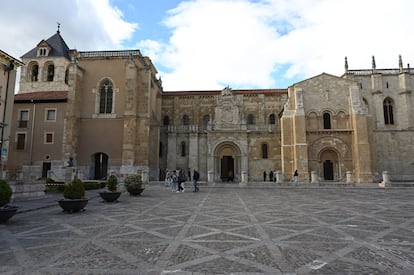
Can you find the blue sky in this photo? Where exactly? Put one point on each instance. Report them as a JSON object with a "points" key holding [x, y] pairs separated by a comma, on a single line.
{"points": [[209, 44]]}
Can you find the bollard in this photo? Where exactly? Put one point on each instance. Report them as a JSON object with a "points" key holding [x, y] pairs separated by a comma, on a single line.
{"points": [[279, 178], [349, 177], [314, 177], [385, 179]]}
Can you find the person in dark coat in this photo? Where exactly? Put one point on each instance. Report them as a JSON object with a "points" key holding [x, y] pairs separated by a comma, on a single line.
{"points": [[196, 177]]}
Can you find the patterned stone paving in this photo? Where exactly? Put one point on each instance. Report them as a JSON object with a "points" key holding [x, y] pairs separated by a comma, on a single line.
{"points": [[220, 230]]}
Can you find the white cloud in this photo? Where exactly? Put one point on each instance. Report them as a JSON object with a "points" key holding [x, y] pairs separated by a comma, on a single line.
{"points": [[241, 43], [265, 43], [85, 24]]}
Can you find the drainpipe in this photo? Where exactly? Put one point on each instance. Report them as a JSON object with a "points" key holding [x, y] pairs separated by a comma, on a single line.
{"points": [[32, 136]]}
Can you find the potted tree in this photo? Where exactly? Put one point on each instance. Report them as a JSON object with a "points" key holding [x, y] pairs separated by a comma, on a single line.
{"points": [[134, 185], [6, 211], [111, 194], [74, 197]]}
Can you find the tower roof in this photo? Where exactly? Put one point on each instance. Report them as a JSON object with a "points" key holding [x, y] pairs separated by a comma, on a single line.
{"points": [[57, 45]]}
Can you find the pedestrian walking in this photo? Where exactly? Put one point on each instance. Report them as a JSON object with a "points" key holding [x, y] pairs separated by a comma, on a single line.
{"points": [[196, 176], [180, 181], [264, 175], [174, 181], [296, 177], [168, 178]]}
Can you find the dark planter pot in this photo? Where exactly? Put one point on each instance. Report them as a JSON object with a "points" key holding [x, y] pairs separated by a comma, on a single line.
{"points": [[136, 192], [74, 205], [110, 196], [6, 212]]}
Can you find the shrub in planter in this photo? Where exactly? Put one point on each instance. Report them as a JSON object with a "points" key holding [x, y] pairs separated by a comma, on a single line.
{"points": [[5, 192], [111, 195], [74, 190], [74, 195], [112, 183], [133, 184], [6, 211]]}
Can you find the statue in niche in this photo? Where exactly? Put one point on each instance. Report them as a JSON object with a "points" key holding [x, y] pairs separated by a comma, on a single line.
{"points": [[70, 162]]}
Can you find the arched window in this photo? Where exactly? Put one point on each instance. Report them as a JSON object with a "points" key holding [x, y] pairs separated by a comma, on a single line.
{"points": [[206, 120], [186, 120], [326, 121], [105, 97], [50, 72], [264, 150], [182, 149], [272, 119], [388, 111], [250, 119], [34, 72], [166, 121]]}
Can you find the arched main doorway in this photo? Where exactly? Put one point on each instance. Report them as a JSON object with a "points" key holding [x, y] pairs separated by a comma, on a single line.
{"points": [[227, 162], [329, 164], [99, 166]]}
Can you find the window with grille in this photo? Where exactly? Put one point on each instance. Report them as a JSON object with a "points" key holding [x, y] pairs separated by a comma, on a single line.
{"points": [[48, 137]]}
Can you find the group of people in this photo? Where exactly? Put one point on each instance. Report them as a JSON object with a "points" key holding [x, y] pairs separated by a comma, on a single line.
{"points": [[176, 179], [272, 176]]}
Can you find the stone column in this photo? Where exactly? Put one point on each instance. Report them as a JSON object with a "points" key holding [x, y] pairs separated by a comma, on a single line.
{"points": [[314, 177], [193, 148]]}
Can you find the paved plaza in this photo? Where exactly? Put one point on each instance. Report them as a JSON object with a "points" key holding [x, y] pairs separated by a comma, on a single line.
{"points": [[223, 229]]}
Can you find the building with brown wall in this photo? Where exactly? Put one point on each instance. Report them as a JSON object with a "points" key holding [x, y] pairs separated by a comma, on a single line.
{"points": [[108, 112], [99, 108]]}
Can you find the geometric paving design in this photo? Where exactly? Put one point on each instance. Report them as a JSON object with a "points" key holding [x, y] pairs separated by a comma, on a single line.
{"points": [[224, 229]]}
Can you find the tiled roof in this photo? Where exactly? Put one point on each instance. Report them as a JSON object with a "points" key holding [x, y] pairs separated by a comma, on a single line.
{"points": [[58, 96], [57, 44], [215, 92]]}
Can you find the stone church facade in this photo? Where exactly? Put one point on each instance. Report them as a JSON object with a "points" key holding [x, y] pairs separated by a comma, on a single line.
{"points": [[107, 111]]}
